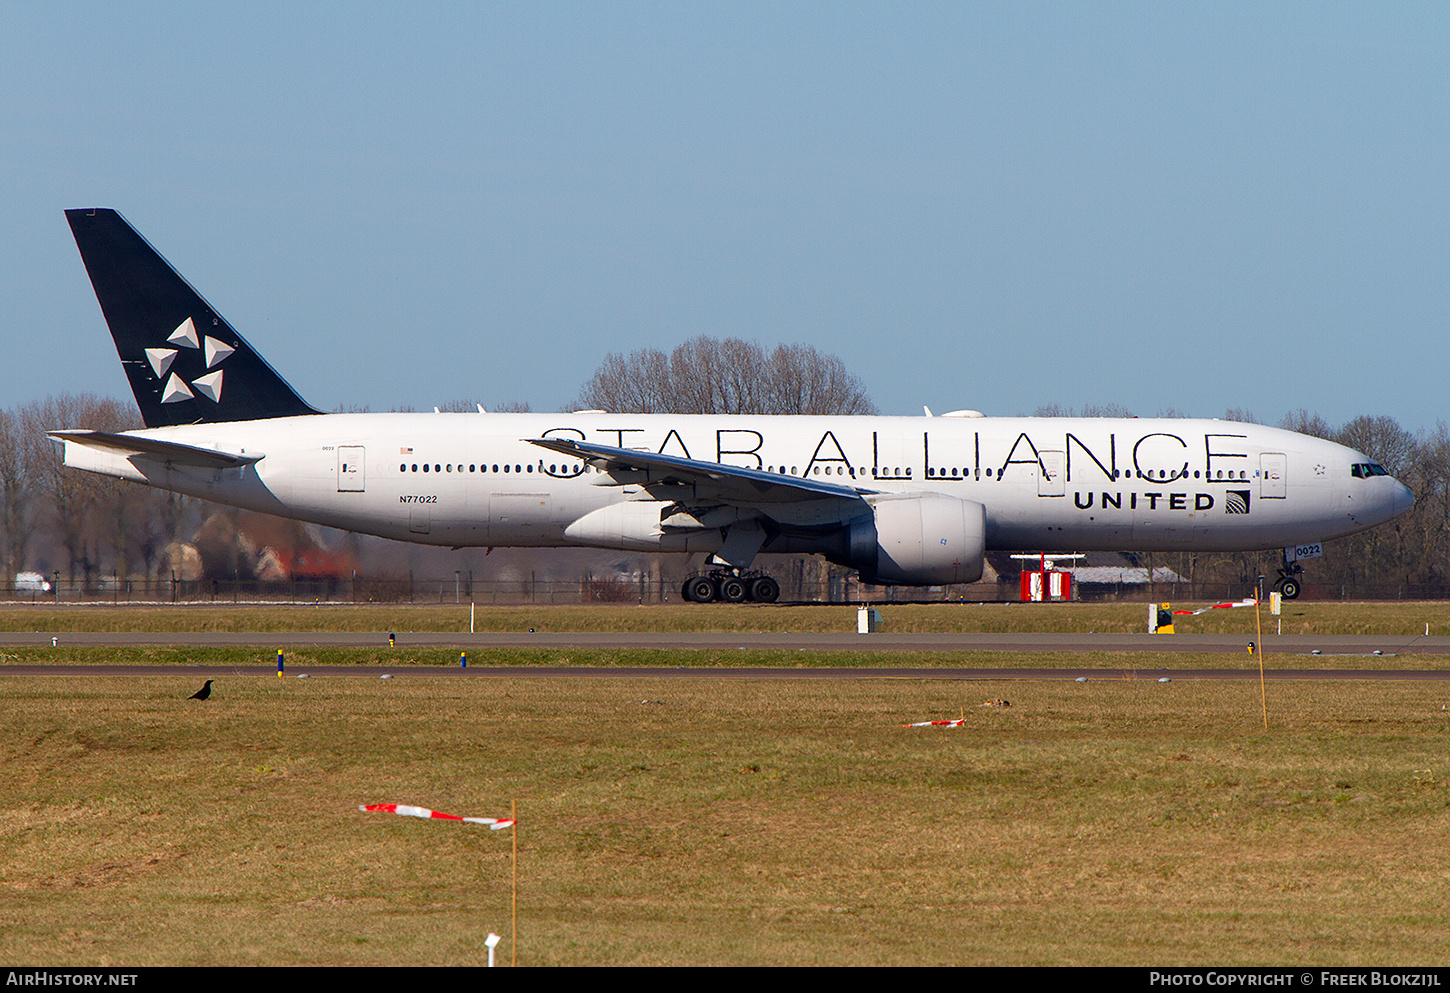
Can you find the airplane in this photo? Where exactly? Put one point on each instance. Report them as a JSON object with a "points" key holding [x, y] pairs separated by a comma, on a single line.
{"points": [[913, 501]]}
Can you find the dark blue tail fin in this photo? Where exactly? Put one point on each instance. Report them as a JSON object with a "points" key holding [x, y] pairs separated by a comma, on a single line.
{"points": [[185, 363]]}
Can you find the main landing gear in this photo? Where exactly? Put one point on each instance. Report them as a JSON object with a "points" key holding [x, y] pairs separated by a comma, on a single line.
{"points": [[731, 587]]}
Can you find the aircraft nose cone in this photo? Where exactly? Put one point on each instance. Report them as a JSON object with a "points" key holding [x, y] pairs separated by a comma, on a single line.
{"points": [[1403, 498]]}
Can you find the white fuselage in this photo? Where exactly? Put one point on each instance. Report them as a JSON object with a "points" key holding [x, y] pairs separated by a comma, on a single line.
{"points": [[1048, 484]]}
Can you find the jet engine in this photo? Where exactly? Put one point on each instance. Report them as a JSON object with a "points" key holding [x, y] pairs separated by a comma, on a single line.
{"points": [[918, 540]]}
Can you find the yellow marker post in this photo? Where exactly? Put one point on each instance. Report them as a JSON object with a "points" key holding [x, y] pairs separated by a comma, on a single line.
{"points": [[1259, 650], [279, 663]]}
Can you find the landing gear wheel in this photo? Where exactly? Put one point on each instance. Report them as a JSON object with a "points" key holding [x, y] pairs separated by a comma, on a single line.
{"points": [[763, 589], [732, 590], [700, 590], [1288, 582]]}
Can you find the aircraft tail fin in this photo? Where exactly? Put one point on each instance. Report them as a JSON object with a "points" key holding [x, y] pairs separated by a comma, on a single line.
{"points": [[185, 363]]}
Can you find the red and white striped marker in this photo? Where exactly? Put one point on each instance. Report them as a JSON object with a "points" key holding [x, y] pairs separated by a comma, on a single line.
{"points": [[494, 823], [937, 724], [1218, 606]]}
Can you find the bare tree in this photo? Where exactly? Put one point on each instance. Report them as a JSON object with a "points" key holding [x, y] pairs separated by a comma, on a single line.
{"points": [[469, 406], [711, 376], [16, 483], [1106, 410], [1090, 410], [1382, 439], [1306, 423], [89, 513]]}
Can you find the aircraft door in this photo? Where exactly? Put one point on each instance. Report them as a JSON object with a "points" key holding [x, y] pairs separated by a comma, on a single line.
{"points": [[1273, 475], [1051, 481], [349, 468]]}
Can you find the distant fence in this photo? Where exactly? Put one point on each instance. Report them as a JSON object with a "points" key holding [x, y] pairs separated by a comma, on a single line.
{"points": [[647, 589]]}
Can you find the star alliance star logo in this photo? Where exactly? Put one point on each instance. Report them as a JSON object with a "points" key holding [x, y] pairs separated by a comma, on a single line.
{"points": [[213, 351]]}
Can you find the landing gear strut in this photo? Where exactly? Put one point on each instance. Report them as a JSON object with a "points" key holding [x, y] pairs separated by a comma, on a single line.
{"points": [[731, 587]]}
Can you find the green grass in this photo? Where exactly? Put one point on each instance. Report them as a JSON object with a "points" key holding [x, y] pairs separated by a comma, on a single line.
{"points": [[682, 821], [1389, 617], [225, 659]]}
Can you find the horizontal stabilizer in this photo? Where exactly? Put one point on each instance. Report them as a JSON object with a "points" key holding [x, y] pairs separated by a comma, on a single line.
{"points": [[162, 451]]}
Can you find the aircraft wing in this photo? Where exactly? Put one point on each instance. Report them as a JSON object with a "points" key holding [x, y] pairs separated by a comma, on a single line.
{"points": [[154, 448], [694, 481]]}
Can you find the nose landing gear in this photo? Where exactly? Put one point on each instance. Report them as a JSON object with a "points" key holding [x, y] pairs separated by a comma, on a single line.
{"points": [[1288, 583]]}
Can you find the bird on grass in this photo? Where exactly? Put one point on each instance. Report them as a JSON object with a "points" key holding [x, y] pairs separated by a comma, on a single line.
{"points": [[202, 693]]}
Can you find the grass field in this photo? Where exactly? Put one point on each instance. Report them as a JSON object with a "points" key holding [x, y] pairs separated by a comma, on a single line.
{"points": [[684, 821], [211, 661], [1387, 617]]}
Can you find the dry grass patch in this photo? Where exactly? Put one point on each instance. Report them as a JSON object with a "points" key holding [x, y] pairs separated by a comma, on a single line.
{"points": [[711, 822]]}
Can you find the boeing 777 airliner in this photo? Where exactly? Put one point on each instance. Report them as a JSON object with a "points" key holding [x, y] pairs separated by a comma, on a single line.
{"points": [[912, 501]]}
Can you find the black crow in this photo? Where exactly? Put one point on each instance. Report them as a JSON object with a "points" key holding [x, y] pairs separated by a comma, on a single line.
{"points": [[202, 693]]}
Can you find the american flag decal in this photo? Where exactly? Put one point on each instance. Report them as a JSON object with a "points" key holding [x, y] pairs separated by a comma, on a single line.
{"points": [[1236, 502], [406, 451]]}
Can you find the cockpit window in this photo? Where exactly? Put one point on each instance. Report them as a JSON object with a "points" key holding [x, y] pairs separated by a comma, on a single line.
{"points": [[1364, 470]]}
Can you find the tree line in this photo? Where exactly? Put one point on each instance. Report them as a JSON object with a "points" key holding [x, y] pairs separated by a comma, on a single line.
{"points": [[78, 524]]}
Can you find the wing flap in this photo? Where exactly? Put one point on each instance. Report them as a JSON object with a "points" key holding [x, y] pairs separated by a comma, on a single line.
{"points": [[668, 475]]}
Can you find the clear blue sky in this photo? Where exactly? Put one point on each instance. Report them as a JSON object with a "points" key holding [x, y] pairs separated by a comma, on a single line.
{"points": [[1162, 205]]}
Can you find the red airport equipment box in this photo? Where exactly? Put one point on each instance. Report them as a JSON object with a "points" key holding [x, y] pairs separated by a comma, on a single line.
{"points": [[1050, 584]]}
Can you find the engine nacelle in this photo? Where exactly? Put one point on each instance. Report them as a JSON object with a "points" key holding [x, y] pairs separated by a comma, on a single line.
{"points": [[921, 539]]}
